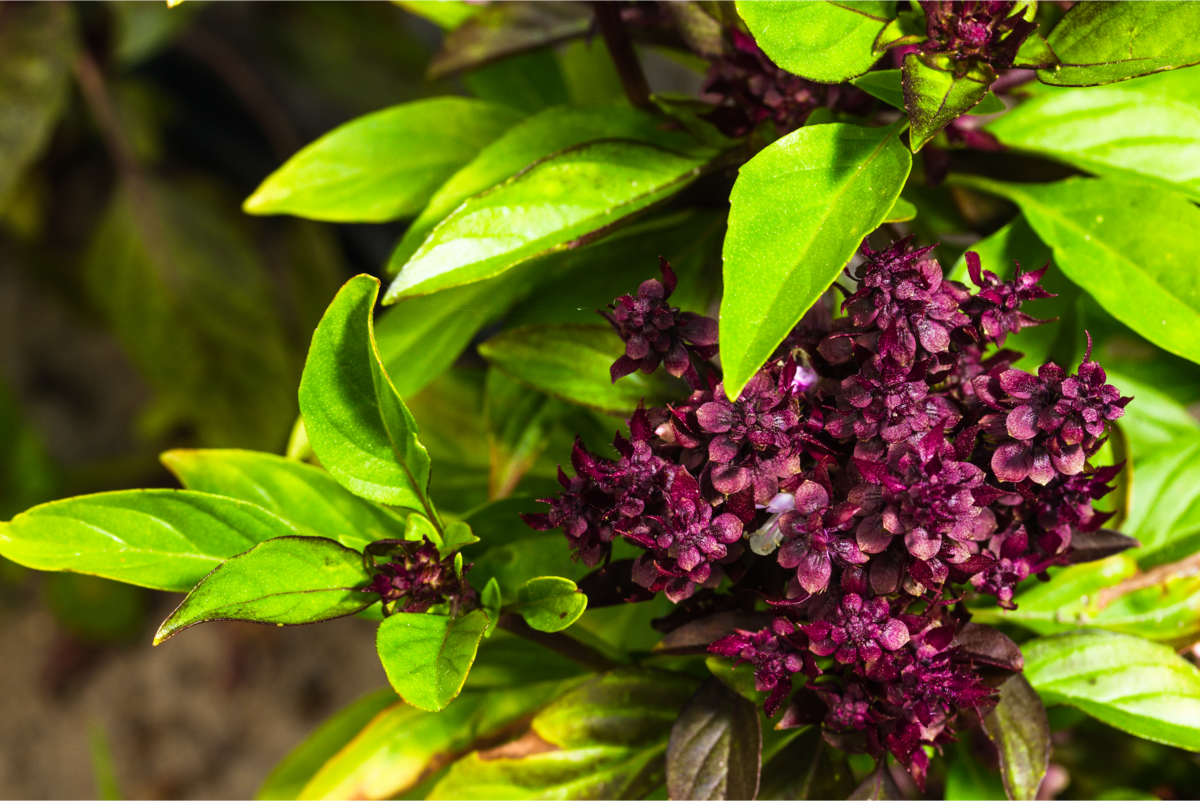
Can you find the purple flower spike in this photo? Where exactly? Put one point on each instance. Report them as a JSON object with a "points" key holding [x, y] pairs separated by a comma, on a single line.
{"points": [[656, 333], [416, 575], [984, 30], [995, 311], [777, 652]]}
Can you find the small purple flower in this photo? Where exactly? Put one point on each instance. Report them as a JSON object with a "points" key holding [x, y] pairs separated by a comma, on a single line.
{"points": [[995, 311], [416, 574], [777, 652], [656, 333], [888, 401], [906, 298], [816, 537], [750, 445], [983, 30], [860, 630], [579, 510]]}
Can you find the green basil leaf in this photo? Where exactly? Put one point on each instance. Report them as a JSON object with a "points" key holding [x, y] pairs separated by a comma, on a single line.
{"points": [[1156, 421], [902, 211], [305, 496], [529, 82], [829, 42], [967, 779], [1165, 511], [507, 29], [427, 657], [1021, 732], [550, 603], [800, 209], [161, 539], [556, 203], [887, 85], [287, 581], [457, 536], [807, 767], [907, 28], [519, 421], [358, 424], [384, 165], [37, 46], [715, 750], [1107, 42], [1135, 685], [491, 602], [1098, 231], [572, 750], [402, 745], [295, 770], [1035, 53], [535, 139], [935, 94], [1148, 129], [572, 362], [446, 14]]}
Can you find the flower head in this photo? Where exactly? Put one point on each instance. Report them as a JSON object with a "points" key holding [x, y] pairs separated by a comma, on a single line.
{"points": [[416, 576], [987, 30], [777, 652]]}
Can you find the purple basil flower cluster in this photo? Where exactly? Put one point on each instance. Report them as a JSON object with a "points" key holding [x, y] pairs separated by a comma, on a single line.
{"points": [[415, 577], [879, 459], [748, 89], [983, 30]]}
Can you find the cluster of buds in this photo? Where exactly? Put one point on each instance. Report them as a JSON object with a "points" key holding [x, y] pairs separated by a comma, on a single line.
{"points": [[881, 465], [414, 576], [748, 89]]}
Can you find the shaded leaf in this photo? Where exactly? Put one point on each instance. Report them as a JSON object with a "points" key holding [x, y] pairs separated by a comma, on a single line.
{"points": [[1122, 242], [294, 771], [1106, 42], [285, 581], [800, 209], [604, 739], [1132, 684], [162, 539], [37, 46], [305, 496], [935, 94], [515, 563], [556, 203], [572, 363], [519, 422], [1155, 421], [967, 779], [189, 299], [695, 636], [549, 603], [1164, 513], [878, 785], [505, 29], [1019, 728], [1088, 546], [446, 14], [356, 421], [529, 82], [427, 656], [829, 42], [990, 646], [1148, 129], [807, 768], [384, 165], [715, 748]]}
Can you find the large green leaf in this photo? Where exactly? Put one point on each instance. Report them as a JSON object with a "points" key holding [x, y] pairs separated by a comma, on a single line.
{"points": [[357, 422], [1107, 42], [384, 165], [1021, 733], [538, 137], [185, 292], [505, 29], [427, 657], [556, 203], [829, 42], [1127, 244], [1165, 511], [1148, 128], [800, 208], [550, 603], [715, 750], [305, 496], [403, 745], [1141, 687], [935, 94], [162, 539], [294, 771], [572, 362], [37, 46], [286, 581], [605, 739]]}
